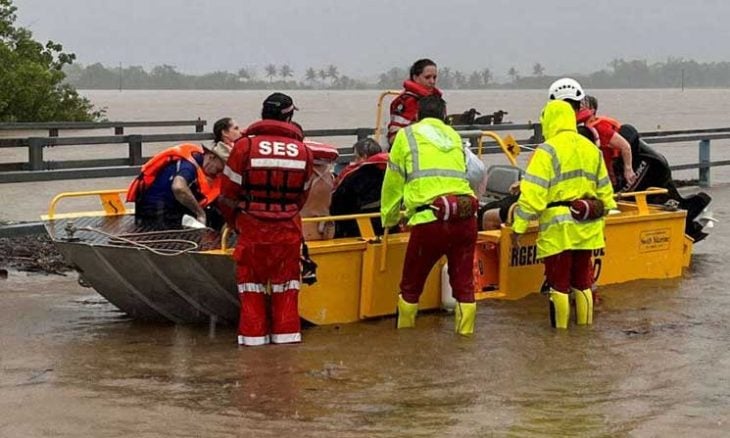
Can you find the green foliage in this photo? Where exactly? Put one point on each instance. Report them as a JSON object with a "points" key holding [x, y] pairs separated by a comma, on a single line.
{"points": [[166, 77], [31, 77]]}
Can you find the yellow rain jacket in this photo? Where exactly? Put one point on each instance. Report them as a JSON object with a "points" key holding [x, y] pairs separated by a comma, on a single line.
{"points": [[426, 161], [564, 168]]}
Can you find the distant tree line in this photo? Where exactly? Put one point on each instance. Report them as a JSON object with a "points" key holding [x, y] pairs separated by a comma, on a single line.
{"points": [[672, 73], [166, 77]]}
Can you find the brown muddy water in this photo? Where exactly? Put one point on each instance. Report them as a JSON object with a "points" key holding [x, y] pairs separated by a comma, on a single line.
{"points": [[655, 363], [649, 110]]}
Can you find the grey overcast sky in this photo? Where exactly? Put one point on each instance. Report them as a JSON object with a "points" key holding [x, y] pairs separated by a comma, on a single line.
{"points": [[366, 37]]}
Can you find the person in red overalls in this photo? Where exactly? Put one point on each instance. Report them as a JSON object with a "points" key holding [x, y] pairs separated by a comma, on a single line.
{"points": [[404, 108], [265, 184]]}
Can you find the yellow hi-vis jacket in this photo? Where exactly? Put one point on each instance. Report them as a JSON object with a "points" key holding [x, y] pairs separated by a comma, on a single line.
{"points": [[564, 168], [426, 161]]}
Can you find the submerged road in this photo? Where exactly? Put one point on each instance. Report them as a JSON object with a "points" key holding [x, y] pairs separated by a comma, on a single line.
{"points": [[655, 363]]}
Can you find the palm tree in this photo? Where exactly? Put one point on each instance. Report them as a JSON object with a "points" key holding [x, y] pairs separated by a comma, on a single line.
{"points": [[270, 71], [475, 80], [459, 79], [332, 72], [322, 74], [446, 80], [311, 75], [286, 72], [244, 74], [538, 69], [513, 73], [486, 76]]}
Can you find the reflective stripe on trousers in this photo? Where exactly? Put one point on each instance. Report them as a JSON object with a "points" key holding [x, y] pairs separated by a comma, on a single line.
{"points": [[253, 341], [274, 288]]}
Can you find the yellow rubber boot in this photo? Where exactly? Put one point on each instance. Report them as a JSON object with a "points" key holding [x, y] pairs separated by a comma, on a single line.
{"points": [[559, 309], [406, 313], [583, 307], [465, 315]]}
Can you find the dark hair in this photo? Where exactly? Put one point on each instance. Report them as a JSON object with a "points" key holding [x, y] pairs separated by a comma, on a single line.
{"points": [[419, 66], [431, 106], [575, 104], [367, 147], [587, 133], [268, 114], [591, 102], [220, 126]]}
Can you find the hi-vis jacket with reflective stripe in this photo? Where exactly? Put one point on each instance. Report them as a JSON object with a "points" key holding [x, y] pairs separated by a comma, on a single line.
{"points": [[564, 168], [427, 161]]}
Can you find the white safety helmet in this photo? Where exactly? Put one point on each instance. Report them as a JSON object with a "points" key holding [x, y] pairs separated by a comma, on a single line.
{"points": [[566, 88]]}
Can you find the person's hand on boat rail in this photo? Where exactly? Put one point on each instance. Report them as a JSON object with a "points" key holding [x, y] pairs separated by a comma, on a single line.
{"points": [[515, 237]]}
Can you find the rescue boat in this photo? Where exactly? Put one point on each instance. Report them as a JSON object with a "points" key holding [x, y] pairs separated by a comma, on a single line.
{"points": [[187, 276]]}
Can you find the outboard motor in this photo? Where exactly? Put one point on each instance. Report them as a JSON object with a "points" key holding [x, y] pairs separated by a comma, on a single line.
{"points": [[652, 170]]}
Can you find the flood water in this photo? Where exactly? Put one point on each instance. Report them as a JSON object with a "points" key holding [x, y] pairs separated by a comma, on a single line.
{"points": [[655, 363], [649, 110]]}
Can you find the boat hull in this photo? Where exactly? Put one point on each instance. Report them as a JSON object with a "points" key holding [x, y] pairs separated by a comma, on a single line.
{"points": [[357, 278]]}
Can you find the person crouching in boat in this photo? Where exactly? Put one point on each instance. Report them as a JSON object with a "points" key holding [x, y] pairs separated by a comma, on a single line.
{"points": [[567, 189], [427, 171], [358, 186], [404, 108], [264, 186], [610, 141], [177, 181]]}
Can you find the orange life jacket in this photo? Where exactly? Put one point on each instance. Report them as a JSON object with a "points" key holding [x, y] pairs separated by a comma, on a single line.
{"points": [[209, 189], [598, 119]]}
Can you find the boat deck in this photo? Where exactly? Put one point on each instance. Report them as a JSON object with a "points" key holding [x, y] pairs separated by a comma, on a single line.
{"points": [[122, 230]]}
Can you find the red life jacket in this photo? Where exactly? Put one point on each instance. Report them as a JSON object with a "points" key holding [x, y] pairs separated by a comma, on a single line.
{"points": [[380, 160], [583, 115], [209, 189], [404, 108], [609, 153], [275, 173]]}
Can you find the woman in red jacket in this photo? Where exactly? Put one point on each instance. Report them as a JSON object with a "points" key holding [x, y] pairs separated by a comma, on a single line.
{"points": [[404, 108]]}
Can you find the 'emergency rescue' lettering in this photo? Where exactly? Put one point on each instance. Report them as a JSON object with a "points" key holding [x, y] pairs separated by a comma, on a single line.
{"points": [[527, 255], [278, 148], [524, 255]]}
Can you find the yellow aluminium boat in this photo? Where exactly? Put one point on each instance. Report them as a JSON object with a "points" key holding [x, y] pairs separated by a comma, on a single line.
{"points": [[187, 276]]}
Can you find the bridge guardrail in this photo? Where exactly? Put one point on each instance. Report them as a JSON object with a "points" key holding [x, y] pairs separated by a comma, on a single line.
{"points": [[37, 168]]}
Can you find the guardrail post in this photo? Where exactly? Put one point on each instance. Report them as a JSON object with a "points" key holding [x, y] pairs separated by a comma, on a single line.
{"points": [[35, 152], [119, 130], [362, 133], [704, 178], [135, 150], [199, 125], [537, 133]]}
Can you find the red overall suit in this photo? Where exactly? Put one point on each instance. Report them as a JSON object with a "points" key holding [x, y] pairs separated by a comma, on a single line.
{"points": [[264, 185]]}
